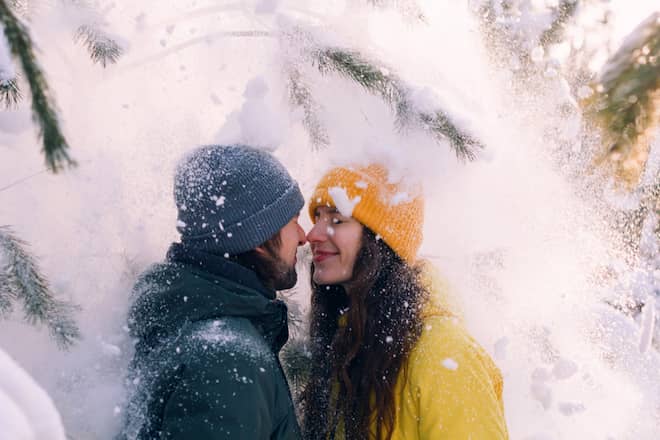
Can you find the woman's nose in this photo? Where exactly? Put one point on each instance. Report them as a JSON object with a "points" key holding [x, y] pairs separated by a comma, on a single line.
{"points": [[317, 233]]}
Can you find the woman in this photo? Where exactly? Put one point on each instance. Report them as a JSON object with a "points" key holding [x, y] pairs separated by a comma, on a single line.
{"points": [[387, 361]]}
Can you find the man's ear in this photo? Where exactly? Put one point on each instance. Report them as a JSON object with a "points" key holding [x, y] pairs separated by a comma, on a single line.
{"points": [[261, 250]]}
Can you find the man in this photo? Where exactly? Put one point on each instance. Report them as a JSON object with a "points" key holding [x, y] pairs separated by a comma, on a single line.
{"points": [[206, 322]]}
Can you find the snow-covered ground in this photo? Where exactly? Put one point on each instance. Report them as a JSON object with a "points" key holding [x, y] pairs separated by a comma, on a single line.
{"points": [[529, 256]]}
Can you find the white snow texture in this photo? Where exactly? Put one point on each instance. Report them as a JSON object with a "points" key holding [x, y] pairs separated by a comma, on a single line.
{"points": [[26, 411]]}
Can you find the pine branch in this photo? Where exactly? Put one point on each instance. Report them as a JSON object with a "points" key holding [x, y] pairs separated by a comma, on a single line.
{"points": [[7, 294], [502, 40], [392, 90], [626, 105], [43, 109], [10, 93], [102, 49], [408, 8], [555, 33], [511, 42], [295, 357], [441, 127], [20, 7], [301, 96], [20, 279]]}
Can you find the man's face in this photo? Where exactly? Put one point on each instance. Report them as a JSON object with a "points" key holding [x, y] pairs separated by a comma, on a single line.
{"points": [[291, 236], [283, 258]]}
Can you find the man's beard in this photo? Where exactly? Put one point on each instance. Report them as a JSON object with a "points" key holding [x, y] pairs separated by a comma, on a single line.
{"points": [[276, 273]]}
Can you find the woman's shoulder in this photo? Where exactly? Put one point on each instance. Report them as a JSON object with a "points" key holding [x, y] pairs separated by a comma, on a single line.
{"points": [[446, 350], [443, 334]]}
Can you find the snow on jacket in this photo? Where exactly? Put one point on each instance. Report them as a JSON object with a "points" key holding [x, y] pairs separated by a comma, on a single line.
{"points": [[206, 367], [452, 389]]}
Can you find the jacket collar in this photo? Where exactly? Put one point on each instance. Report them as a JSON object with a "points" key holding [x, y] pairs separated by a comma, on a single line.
{"points": [[196, 286], [219, 266]]}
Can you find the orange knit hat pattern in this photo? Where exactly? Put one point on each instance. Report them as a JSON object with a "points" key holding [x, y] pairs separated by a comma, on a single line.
{"points": [[382, 206]]}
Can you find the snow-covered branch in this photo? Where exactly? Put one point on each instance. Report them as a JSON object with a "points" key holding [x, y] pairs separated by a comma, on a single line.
{"points": [[9, 91], [626, 102], [301, 96], [563, 13], [102, 48], [55, 145], [380, 81], [21, 280]]}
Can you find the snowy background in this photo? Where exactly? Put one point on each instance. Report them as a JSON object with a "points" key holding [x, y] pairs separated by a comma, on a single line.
{"points": [[526, 247]]}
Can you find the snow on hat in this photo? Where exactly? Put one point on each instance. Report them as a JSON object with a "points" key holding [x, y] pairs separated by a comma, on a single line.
{"points": [[365, 194], [233, 198]]}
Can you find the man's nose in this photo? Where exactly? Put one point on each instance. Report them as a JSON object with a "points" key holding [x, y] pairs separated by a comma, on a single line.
{"points": [[301, 236]]}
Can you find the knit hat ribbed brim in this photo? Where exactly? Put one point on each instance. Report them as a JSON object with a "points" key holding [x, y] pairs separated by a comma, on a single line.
{"points": [[231, 199], [380, 205]]}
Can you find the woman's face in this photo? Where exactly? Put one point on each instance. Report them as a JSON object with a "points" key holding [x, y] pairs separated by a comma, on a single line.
{"points": [[335, 241]]}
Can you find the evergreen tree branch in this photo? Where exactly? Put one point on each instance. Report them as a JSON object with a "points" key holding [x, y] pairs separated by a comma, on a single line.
{"points": [[102, 49], [301, 96], [20, 279], [392, 90], [20, 7], [501, 40], [10, 93], [630, 222], [295, 357], [565, 11], [43, 109], [441, 127], [408, 8], [8, 291], [626, 102]]}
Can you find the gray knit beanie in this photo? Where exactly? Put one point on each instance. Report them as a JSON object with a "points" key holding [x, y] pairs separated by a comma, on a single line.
{"points": [[232, 199]]}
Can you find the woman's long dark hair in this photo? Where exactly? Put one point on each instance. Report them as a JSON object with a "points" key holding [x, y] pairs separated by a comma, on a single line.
{"points": [[362, 359]]}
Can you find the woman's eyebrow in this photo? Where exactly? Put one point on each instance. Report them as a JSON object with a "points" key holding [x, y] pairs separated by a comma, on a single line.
{"points": [[330, 210]]}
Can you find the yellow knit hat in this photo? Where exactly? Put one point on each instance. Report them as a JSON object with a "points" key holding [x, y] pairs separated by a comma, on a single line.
{"points": [[380, 205]]}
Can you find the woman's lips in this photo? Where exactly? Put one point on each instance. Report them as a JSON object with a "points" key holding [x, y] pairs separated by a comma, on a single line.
{"points": [[320, 256]]}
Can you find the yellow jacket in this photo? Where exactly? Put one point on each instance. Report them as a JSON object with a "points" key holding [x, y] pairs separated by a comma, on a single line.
{"points": [[449, 388]]}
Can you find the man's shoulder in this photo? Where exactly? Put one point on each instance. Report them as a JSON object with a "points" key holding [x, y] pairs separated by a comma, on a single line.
{"points": [[228, 352], [225, 337], [157, 276]]}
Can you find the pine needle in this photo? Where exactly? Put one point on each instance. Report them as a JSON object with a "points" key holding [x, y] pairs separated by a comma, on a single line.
{"points": [[626, 105], [102, 49], [43, 109], [7, 297], [441, 126], [10, 94], [21, 280], [392, 90], [301, 96]]}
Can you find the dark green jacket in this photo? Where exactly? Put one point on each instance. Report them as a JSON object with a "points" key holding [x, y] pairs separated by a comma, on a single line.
{"points": [[207, 336]]}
